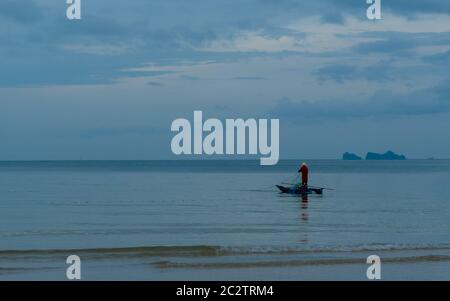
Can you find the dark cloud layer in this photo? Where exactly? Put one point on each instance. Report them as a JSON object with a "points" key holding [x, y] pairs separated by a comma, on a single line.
{"points": [[399, 7], [118, 131], [341, 73], [23, 11], [439, 58], [382, 104], [161, 30]]}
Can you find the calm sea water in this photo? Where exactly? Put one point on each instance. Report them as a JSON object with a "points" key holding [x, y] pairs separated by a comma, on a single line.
{"points": [[184, 219]]}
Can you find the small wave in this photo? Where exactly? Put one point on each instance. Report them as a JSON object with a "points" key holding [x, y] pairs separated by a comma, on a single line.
{"points": [[6, 271], [209, 250], [143, 251], [295, 263]]}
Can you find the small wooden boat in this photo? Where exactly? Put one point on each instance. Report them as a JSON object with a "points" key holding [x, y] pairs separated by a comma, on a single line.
{"points": [[302, 190]]}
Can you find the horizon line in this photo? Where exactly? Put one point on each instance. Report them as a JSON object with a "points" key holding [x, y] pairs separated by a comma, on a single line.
{"points": [[212, 159]]}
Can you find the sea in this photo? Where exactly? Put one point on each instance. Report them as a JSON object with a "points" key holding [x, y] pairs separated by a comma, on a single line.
{"points": [[224, 220]]}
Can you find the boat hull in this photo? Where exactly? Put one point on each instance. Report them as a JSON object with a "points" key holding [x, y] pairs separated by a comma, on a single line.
{"points": [[299, 190]]}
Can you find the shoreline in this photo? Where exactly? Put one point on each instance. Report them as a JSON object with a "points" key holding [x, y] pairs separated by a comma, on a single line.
{"points": [[429, 271], [423, 264]]}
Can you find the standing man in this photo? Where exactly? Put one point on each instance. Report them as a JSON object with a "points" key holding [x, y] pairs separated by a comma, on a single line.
{"points": [[304, 171]]}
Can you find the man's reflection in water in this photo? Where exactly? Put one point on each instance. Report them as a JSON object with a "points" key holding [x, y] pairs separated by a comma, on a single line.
{"points": [[304, 217], [305, 208]]}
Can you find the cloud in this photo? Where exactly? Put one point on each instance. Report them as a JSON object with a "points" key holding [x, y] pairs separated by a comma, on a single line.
{"points": [[68, 71], [24, 11], [406, 7], [155, 84], [333, 17], [390, 45], [255, 41], [118, 131], [338, 73], [440, 58], [249, 78], [399, 7], [381, 104], [40, 47], [442, 91], [189, 77], [100, 49], [381, 71]]}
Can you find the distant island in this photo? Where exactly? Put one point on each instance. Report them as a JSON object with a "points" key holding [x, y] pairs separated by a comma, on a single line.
{"points": [[389, 155], [350, 156]]}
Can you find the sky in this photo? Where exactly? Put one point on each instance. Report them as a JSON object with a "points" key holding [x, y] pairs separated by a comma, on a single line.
{"points": [[108, 86]]}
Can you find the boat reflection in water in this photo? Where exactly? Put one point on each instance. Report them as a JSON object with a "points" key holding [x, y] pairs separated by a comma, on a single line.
{"points": [[304, 217], [304, 208]]}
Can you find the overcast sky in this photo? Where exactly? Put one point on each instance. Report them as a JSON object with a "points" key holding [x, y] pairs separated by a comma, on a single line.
{"points": [[108, 86]]}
